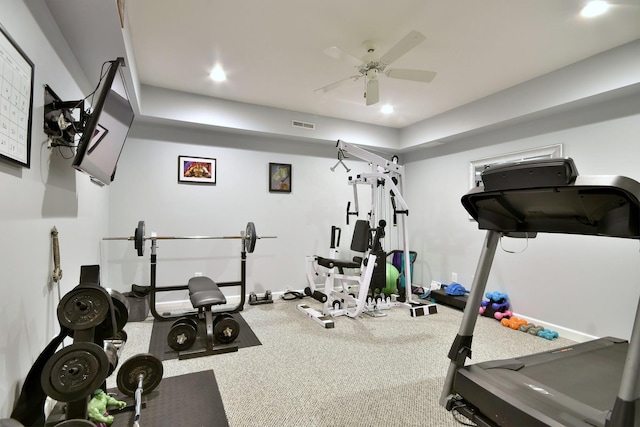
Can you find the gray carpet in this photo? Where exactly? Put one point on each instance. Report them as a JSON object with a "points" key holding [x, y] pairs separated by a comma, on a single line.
{"points": [[385, 371]]}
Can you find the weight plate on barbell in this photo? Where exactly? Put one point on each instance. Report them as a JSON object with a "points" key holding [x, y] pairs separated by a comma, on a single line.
{"points": [[250, 237], [84, 307], [181, 336], [121, 310], [225, 328], [146, 365], [138, 238], [74, 372]]}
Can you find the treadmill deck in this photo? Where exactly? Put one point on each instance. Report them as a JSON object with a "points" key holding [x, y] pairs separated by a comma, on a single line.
{"points": [[570, 386]]}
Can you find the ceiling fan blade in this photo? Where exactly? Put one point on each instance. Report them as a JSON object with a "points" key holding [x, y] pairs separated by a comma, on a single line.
{"points": [[342, 55], [415, 75], [337, 84], [410, 41], [373, 92]]}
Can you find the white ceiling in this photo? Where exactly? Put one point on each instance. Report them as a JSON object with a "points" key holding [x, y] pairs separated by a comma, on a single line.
{"points": [[272, 50]]}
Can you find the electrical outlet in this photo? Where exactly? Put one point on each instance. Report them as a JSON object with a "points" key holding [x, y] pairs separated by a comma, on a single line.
{"points": [[454, 277]]}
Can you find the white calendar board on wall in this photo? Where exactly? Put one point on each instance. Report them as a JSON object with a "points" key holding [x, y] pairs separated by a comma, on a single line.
{"points": [[16, 102]]}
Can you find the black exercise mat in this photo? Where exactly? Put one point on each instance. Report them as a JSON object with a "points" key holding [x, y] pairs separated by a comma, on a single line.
{"points": [[191, 400], [159, 347]]}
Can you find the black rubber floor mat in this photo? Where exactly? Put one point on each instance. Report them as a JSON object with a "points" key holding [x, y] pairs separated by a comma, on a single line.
{"points": [[158, 345], [191, 400]]}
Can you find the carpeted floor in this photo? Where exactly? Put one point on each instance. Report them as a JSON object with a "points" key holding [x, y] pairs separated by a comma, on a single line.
{"points": [[385, 371]]}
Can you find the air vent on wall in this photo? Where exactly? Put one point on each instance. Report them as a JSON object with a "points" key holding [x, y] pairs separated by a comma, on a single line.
{"points": [[303, 125]]}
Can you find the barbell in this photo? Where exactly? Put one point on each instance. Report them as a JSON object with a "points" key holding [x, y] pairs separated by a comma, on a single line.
{"points": [[248, 237]]}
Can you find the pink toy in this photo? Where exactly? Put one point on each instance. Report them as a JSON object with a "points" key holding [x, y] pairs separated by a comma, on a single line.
{"points": [[497, 306], [499, 315]]}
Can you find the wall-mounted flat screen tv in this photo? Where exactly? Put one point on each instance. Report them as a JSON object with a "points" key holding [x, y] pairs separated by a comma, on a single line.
{"points": [[106, 131]]}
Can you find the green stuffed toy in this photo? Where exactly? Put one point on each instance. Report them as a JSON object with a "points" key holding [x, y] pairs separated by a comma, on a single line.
{"points": [[97, 408]]}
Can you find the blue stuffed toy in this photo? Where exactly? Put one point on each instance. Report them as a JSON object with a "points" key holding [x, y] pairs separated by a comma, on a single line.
{"points": [[497, 296], [456, 289]]}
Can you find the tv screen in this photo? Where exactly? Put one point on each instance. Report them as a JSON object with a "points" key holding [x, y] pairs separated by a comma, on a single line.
{"points": [[106, 131]]}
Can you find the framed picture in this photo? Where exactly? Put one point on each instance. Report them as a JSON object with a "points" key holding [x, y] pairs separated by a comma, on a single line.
{"points": [[200, 170], [16, 102], [279, 178]]}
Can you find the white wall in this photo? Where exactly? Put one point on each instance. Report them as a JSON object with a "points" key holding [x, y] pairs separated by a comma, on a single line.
{"points": [[48, 194], [588, 284], [146, 188]]}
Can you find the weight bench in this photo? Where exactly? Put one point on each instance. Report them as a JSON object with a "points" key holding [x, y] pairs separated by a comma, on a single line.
{"points": [[221, 331]]}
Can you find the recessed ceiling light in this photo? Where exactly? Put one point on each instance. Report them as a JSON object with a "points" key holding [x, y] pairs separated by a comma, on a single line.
{"points": [[594, 8], [218, 74], [387, 109]]}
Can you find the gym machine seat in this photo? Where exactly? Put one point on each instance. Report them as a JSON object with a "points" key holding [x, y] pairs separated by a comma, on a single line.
{"points": [[589, 384]]}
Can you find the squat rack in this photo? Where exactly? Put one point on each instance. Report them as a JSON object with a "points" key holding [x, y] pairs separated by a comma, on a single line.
{"points": [[248, 238]]}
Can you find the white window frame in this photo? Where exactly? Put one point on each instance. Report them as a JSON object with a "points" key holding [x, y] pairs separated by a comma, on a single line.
{"points": [[477, 166]]}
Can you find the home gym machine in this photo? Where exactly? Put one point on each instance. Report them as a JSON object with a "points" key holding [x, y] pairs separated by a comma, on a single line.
{"points": [[336, 296], [594, 383], [205, 296]]}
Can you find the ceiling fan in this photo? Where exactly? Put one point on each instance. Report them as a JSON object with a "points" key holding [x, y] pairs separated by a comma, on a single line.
{"points": [[372, 65]]}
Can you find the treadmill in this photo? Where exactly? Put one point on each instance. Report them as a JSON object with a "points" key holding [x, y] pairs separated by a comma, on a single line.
{"points": [[588, 384]]}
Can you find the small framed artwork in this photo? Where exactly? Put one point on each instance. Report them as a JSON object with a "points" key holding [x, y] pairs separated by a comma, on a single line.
{"points": [[279, 178], [200, 170]]}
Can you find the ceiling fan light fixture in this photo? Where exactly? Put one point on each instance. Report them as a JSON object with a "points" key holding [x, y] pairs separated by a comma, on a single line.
{"points": [[594, 8], [387, 109], [370, 66], [218, 74]]}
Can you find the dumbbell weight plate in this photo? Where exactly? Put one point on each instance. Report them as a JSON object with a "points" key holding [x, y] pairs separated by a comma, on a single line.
{"points": [[76, 423], [183, 334], [147, 365], [225, 328], [74, 372], [84, 307], [121, 336], [112, 355], [186, 320], [121, 310]]}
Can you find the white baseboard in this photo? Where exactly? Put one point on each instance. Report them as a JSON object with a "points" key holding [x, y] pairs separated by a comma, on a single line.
{"points": [[185, 305], [233, 300], [567, 333]]}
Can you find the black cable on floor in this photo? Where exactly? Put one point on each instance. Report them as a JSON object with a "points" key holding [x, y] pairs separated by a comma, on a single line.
{"points": [[455, 414], [291, 295]]}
